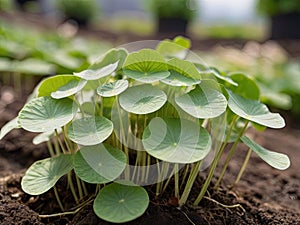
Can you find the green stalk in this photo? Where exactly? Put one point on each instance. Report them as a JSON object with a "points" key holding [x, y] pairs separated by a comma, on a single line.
{"points": [[148, 166], [185, 173], [176, 178], [243, 167], [230, 154], [80, 191], [84, 188], [60, 142], [70, 182], [123, 140], [56, 147], [50, 148], [67, 141], [58, 199], [158, 183], [214, 164], [189, 184]]}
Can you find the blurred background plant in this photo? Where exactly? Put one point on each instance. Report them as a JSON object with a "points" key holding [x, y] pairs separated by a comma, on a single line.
{"points": [[172, 16], [81, 11], [284, 17]]}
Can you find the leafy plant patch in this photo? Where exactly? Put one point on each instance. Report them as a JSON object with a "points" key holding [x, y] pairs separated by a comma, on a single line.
{"points": [[142, 118]]}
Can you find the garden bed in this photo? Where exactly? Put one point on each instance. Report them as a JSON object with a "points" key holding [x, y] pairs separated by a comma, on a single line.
{"points": [[268, 196]]}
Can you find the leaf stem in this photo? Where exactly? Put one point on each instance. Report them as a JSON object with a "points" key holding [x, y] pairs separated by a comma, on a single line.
{"points": [[58, 199], [123, 141], [60, 142], [242, 168], [176, 178], [189, 184], [230, 154], [70, 181], [214, 164], [50, 148]]}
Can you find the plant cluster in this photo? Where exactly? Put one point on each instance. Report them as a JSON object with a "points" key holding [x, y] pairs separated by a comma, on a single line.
{"points": [[276, 7], [172, 9], [82, 11], [276, 74], [141, 118], [25, 54]]}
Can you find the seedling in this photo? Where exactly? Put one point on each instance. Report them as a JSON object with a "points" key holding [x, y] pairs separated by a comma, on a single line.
{"points": [[148, 117]]}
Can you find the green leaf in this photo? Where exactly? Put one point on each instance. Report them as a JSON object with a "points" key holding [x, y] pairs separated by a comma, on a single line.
{"points": [[202, 102], [63, 59], [182, 73], [46, 114], [42, 137], [119, 203], [90, 130], [146, 66], [176, 140], [43, 174], [254, 111], [182, 41], [247, 87], [99, 164], [97, 73], [8, 127], [277, 160], [112, 56], [34, 67], [142, 99], [221, 76], [5, 64], [61, 85], [112, 88], [174, 48], [112, 61], [69, 89]]}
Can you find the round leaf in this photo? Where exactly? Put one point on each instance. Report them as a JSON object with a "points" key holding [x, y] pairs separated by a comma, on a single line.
{"points": [[60, 83], [112, 88], [119, 203], [13, 124], [71, 88], [43, 175], [182, 73], [176, 140], [99, 163], [146, 66], [90, 130], [246, 86], [97, 73], [45, 114], [255, 111], [202, 103], [42, 137], [277, 160], [113, 55], [142, 99]]}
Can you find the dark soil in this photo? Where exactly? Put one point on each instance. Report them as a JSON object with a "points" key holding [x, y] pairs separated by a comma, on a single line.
{"points": [[265, 195]]}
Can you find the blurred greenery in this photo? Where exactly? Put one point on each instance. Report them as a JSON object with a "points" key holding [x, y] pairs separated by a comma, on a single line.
{"points": [[242, 31], [276, 73], [172, 9], [275, 7]]}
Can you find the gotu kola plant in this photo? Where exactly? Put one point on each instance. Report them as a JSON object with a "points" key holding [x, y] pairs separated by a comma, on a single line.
{"points": [[148, 117]]}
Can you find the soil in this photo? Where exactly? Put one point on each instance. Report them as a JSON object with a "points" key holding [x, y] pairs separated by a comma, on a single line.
{"points": [[263, 196]]}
